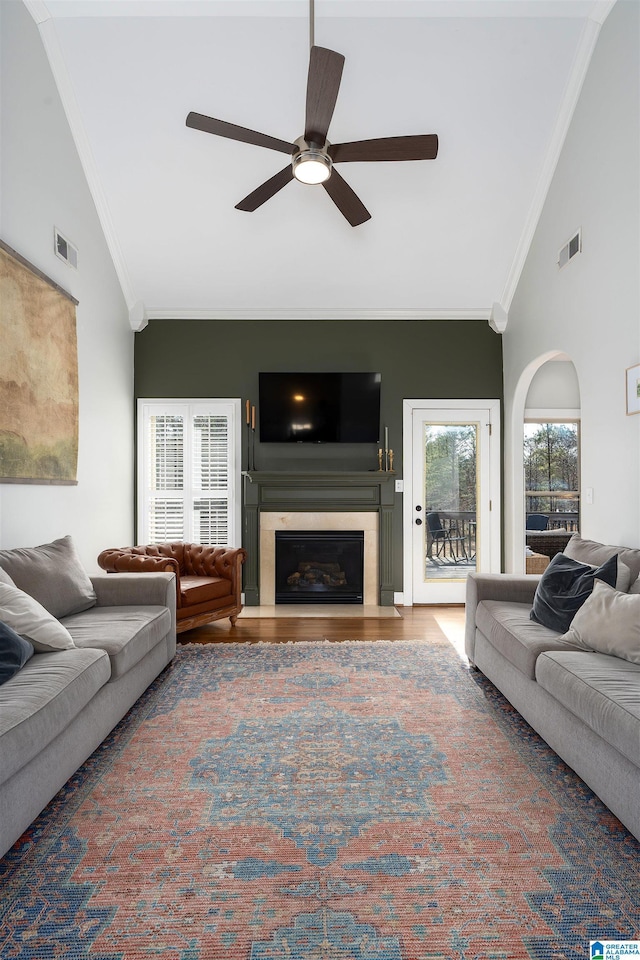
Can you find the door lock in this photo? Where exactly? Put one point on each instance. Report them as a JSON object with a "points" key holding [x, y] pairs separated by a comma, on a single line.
{"points": [[418, 522]]}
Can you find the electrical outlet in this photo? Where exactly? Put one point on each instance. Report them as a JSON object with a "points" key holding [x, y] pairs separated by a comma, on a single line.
{"points": [[399, 486]]}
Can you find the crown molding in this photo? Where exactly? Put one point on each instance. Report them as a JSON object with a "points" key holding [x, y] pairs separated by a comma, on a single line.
{"points": [[38, 10], [138, 318], [312, 313], [499, 318], [570, 99], [601, 10]]}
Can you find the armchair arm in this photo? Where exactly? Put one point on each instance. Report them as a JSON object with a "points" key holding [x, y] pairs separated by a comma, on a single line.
{"points": [[494, 586], [121, 560]]}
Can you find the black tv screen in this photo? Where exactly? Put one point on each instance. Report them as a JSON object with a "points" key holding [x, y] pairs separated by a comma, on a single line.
{"points": [[319, 407]]}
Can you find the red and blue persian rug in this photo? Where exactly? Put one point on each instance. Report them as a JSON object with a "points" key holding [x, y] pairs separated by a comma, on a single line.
{"points": [[320, 801]]}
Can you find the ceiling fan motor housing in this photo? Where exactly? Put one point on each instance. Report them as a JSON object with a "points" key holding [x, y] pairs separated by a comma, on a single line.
{"points": [[311, 162]]}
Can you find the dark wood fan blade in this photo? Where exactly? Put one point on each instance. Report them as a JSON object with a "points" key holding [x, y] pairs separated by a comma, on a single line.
{"points": [[323, 83], [233, 132], [423, 147], [265, 191], [347, 202]]}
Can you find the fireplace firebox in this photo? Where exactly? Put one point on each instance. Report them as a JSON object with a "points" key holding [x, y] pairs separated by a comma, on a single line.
{"points": [[319, 566]]}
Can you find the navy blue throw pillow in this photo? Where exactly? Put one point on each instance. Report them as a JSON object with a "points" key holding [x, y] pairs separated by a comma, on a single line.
{"points": [[564, 587], [14, 652]]}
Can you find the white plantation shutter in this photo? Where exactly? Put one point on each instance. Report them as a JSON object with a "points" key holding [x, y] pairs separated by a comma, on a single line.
{"points": [[188, 471]]}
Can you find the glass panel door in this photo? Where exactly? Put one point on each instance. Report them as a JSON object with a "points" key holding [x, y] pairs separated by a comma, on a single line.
{"points": [[451, 505]]}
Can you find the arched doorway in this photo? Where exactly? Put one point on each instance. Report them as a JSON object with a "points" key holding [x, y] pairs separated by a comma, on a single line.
{"points": [[544, 482]]}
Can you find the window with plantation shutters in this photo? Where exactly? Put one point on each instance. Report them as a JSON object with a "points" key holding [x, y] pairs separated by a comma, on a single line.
{"points": [[188, 471]]}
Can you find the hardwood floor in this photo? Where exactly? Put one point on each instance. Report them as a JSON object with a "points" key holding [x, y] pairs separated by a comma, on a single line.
{"points": [[431, 624]]}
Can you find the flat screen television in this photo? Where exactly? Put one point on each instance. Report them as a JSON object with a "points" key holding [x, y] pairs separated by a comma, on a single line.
{"points": [[319, 407]]}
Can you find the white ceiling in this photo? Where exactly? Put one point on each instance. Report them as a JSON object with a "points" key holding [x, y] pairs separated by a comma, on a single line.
{"points": [[497, 81]]}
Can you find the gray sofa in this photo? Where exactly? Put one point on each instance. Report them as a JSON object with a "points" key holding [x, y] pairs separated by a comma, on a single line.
{"points": [[585, 704], [61, 704]]}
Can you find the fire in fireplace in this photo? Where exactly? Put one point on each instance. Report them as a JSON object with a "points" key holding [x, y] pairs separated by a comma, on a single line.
{"points": [[319, 566]]}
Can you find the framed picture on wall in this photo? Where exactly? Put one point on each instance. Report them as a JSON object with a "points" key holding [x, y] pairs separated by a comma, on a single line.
{"points": [[633, 389], [38, 375]]}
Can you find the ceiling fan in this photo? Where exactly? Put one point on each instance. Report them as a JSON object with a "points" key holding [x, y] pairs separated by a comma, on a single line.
{"points": [[312, 156]]}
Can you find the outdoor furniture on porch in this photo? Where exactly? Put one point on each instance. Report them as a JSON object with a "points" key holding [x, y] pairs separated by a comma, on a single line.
{"points": [[445, 537], [548, 542], [537, 521]]}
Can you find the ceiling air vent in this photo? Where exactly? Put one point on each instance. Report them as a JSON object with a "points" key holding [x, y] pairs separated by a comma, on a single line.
{"points": [[570, 250], [65, 249]]}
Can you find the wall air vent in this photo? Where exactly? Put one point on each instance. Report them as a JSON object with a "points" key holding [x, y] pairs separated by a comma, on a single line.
{"points": [[65, 249], [570, 249]]}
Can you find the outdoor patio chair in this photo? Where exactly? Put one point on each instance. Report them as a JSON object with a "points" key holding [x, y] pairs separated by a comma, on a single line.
{"points": [[440, 536], [537, 521]]}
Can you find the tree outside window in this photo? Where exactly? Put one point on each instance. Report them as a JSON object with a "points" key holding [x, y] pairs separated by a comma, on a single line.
{"points": [[552, 471]]}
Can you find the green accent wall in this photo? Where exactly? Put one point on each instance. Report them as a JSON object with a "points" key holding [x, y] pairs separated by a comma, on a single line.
{"points": [[417, 359]]}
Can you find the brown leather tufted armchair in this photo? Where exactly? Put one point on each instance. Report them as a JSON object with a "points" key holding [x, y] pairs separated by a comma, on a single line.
{"points": [[208, 579]]}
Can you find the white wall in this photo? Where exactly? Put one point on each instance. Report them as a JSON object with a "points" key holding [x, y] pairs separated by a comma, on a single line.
{"points": [[554, 387], [590, 310], [42, 185]]}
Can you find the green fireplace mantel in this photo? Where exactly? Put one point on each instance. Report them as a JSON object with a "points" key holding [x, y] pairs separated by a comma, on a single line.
{"points": [[316, 492]]}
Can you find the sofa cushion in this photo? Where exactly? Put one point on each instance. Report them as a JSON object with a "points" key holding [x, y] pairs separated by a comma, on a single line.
{"points": [[14, 652], [589, 551], [52, 574], [30, 619], [602, 691], [609, 622], [509, 628], [42, 700], [126, 634], [564, 587], [201, 589]]}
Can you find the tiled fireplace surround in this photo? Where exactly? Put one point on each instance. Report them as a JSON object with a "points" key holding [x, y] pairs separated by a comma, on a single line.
{"points": [[318, 501]]}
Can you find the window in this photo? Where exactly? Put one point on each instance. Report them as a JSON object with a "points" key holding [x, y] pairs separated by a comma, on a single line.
{"points": [[188, 471], [552, 472]]}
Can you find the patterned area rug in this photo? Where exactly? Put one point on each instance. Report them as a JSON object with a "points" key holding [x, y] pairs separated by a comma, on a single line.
{"points": [[320, 801]]}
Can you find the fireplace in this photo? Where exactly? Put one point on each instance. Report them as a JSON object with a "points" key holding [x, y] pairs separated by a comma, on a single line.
{"points": [[319, 566], [272, 522]]}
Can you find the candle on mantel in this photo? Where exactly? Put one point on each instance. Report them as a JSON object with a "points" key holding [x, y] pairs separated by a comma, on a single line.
{"points": [[253, 418], [248, 408], [386, 439]]}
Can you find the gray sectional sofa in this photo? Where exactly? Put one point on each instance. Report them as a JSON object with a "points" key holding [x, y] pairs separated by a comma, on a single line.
{"points": [[585, 703], [61, 704]]}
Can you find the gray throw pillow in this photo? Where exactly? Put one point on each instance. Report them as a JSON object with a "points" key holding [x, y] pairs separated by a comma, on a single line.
{"points": [[30, 620], [5, 578], [52, 574], [609, 622], [590, 551], [564, 587], [14, 652]]}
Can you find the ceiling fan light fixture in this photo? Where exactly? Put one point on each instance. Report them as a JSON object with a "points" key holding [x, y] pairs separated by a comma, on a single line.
{"points": [[311, 166]]}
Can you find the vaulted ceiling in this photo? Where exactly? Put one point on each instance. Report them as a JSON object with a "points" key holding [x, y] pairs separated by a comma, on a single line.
{"points": [[497, 80]]}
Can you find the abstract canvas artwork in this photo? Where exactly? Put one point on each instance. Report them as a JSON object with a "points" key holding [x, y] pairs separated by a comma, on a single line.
{"points": [[38, 376]]}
